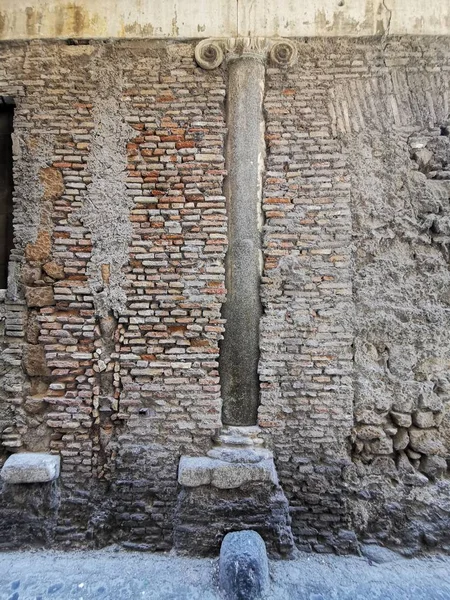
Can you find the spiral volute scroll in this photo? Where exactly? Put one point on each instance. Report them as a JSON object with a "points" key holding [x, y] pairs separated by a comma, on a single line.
{"points": [[283, 53], [209, 54]]}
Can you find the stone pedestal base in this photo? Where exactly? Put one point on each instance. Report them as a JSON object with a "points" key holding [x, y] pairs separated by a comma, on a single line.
{"points": [[235, 487]]}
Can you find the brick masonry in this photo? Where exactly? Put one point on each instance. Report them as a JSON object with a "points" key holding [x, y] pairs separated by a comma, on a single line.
{"points": [[112, 323]]}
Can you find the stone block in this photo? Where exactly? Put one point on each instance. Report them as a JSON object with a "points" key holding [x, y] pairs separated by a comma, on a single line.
{"points": [[54, 270], [33, 329], [34, 361], [431, 402], [423, 419], [426, 441], [38, 297], [52, 182], [401, 439], [40, 249], [243, 566], [196, 471], [232, 475], [401, 419], [32, 467], [433, 466], [240, 455]]}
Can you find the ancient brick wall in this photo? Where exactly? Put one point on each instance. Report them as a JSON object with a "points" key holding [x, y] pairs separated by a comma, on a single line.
{"points": [[113, 316], [354, 363]]}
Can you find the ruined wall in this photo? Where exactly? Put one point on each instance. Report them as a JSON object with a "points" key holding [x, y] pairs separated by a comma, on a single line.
{"points": [[355, 354], [120, 219], [113, 313]]}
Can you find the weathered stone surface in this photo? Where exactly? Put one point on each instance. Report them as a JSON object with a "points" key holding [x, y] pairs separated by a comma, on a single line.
{"points": [[431, 401], [426, 441], [401, 419], [41, 248], [34, 360], [369, 433], [54, 270], [39, 296], [34, 405], [243, 566], [31, 468], [233, 475], [240, 455], [204, 514], [31, 274], [401, 439], [382, 446], [424, 419], [195, 471], [52, 182], [433, 466], [33, 329]]}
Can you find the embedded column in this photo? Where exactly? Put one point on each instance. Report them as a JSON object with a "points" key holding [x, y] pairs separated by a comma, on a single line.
{"points": [[245, 153]]}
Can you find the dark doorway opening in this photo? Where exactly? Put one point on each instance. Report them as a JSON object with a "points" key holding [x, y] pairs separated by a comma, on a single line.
{"points": [[6, 186]]}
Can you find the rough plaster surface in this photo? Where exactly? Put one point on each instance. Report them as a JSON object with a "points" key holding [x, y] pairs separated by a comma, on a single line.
{"points": [[354, 355]]}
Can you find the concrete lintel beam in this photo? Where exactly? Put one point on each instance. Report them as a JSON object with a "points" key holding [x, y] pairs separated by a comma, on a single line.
{"points": [[49, 19]]}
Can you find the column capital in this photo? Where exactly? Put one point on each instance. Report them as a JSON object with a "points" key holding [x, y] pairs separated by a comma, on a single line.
{"points": [[211, 52]]}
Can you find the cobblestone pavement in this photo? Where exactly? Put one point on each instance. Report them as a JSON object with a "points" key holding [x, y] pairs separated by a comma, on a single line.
{"points": [[110, 575]]}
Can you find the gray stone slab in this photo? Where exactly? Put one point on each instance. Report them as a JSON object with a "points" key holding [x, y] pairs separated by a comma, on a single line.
{"points": [[243, 566], [31, 467], [194, 471], [227, 475]]}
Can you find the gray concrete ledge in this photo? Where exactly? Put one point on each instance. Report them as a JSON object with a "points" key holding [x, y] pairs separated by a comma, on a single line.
{"points": [[31, 467]]}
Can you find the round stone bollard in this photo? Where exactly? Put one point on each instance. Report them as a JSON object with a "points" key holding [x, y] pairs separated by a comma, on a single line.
{"points": [[243, 566]]}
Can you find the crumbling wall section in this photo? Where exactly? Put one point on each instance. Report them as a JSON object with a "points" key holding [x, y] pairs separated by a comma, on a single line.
{"points": [[396, 136], [354, 361], [306, 337]]}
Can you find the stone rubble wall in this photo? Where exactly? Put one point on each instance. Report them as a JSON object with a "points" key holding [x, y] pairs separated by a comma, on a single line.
{"points": [[113, 314]]}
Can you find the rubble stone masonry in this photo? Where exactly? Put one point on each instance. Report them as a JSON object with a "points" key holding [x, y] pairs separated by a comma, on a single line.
{"points": [[112, 320]]}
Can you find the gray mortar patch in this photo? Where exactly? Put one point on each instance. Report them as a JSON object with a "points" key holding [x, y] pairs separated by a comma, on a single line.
{"points": [[106, 206]]}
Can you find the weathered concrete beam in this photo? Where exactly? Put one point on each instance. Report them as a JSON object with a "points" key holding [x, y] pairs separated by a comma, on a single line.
{"points": [[49, 19]]}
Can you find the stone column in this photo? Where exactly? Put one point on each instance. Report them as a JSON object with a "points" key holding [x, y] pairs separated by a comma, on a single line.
{"points": [[245, 153], [239, 352], [235, 486]]}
